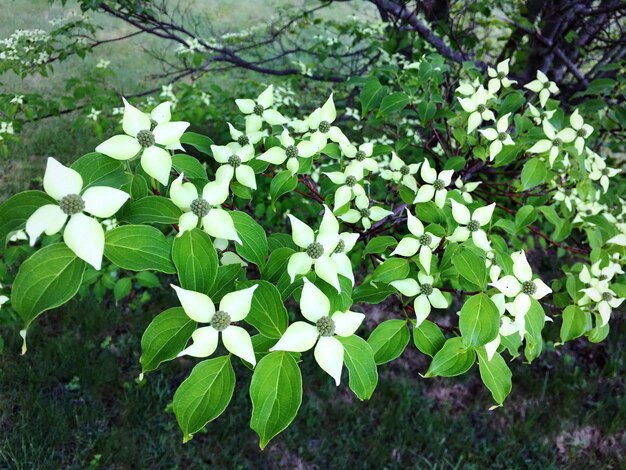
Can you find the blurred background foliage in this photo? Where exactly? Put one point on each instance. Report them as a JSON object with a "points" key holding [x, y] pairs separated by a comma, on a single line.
{"points": [[74, 401]]}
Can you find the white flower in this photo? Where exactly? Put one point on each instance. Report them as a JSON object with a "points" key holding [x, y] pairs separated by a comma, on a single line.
{"points": [[93, 115], [364, 213], [602, 173], [492, 266], [427, 295], [436, 186], [302, 336], [321, 121], [227, 257], [582, 130], [289, 151], [566, 195], [233, 307], [498, 136], [260, 110], [18, 99], [597, 276], [467, 88], [233, 158], [471, 224], [498, 77], [466, 188], [83, 234], [249, 137], [540, 115], [144, 132], [349, 182], [522, 287], [605, 299], [507, 327], [421, 241], [318, 250], [400, 172], [206, 209], [103, 64], [554, 141], [543, 86], [18, 235], [476, 105], [340, 257], [360, 157]]}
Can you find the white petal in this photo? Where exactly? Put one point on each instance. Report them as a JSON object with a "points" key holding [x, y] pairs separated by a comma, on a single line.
{"points": [[299, 263], [344, 266], [541, 146], [329, 355], [199, 307], [346, 323], [491, 347], [440, 197], [183, 194], [49, 219], [460, 234], [134, 120], [490, 134], [460, 213], [328, 112], [542, 289], [474, 120], [221, 153], [437, 299], [301, 233], [479, 237], [215, 192], [521, 268], [307, 149], [103, 201], [428, 174], [325, 269], [508, 285], [343, 196], [408, 287], [414, 224], [85, 237], [237, 304], [425, 258], [218, 223], [162, 112], [483, 214], [274, 155], [313, 303], [120, 147], [59, 180], [329, 223], [425, 193], [204, 343], [421, 305], [408, 246], [169, 133], [245, 175], [246, 106], [187, 221], [274, 118], [266, 98], [378, 213], [157, 162], [299, 337], [237, 341]]}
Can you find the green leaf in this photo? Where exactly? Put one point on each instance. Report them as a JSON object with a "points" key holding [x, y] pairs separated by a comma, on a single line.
{"points": [[16, 210], [371, 95], [495, 374], [359, 359], [276, 395], [393, 103], [122, 288], [139, 247], [533, 173], [152, 210], [148, 279], [575, 323], [47, 279], [282, 183], [191, 167], [254, 248], [534, 321], [138, 187], [372, 293], [379, 244], [428, 338], [276, 264], [453, 359], [267, 312], [195, 259], [198, 141], [391, 270], [204, 395], [165, 337], [479, 321], [511, 103], [388, 340], [508, 154], [525, 216], [97, 169], [429, 212], [471, 267], [226, 277]]}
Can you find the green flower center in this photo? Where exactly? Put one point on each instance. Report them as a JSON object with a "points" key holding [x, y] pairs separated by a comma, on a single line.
{"points": [[473, 226], [405, 170], [200, 207], [501, 75], [529, 287], [360, 156], [243, 140], [234, 161], [602, 277], [502, 136], [145, 138], [607, 296], [324, 127], [364, 212], [153, 124], [325, 326], [72, 204], [220, 320], [258, 109], [341, 246], [546, 85], [426, 289], [606, 172], [291, 151], [439, 185], [425, 239], [315, 250], [350, 181], [481, 108], [557, 142], [581, 133]]}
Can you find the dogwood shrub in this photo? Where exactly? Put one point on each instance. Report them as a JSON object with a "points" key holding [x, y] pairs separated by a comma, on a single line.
{"points": [[472, 243]]}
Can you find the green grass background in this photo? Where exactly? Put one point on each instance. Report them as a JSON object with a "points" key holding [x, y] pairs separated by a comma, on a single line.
{"points": [[73, 401]]}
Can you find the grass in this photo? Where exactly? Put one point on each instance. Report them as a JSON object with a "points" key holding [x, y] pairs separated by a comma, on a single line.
{"points": [[73, 401]]}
